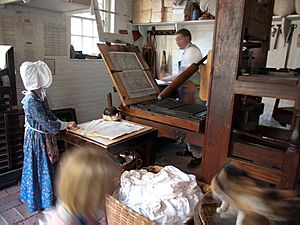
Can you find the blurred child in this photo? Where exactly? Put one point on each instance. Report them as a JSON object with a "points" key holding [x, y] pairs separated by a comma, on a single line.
{"points": [[85, 176]]}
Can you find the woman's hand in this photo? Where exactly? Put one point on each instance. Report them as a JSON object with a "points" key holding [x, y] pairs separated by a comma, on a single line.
{"points": [[72, 125]]}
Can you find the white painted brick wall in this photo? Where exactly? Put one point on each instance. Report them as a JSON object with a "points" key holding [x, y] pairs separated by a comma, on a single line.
{"points": [[79, 84], [83, 85]]}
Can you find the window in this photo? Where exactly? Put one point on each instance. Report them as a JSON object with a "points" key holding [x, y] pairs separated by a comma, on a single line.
{"points": [[84, 33]]}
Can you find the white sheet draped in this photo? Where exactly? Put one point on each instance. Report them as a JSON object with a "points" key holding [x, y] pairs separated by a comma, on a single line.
{"points": [[168, 197]]}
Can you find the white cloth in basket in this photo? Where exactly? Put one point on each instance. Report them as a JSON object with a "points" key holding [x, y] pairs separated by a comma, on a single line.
{"points": [[168, 197]]}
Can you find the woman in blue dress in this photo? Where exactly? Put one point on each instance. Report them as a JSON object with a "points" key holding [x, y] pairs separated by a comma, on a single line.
{"points": [[37, 175]]}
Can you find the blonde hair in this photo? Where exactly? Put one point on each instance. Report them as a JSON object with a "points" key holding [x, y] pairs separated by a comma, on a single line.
{"points": [[85, 177]]}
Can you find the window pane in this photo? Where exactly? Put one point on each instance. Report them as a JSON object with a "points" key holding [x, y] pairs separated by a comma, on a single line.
{"points": [[95, 32], [76, 41], [87, 45], [96, 50], [76, 26], [100, 3], [87, 28]]}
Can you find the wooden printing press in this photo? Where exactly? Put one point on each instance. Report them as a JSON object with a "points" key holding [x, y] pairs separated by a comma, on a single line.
{"points": [[139, 93]]}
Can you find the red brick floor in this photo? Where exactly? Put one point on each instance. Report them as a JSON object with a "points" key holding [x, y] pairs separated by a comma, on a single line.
{"points": [[12, 210]]}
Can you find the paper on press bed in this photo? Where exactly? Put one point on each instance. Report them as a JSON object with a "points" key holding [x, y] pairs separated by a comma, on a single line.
{"points": [[107, 129]]}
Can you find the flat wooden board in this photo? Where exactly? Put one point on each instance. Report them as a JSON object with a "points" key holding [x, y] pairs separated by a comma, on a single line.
{"points": [[130, 73]]}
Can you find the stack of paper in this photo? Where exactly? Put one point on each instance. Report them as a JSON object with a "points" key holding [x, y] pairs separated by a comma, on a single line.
{"points": [[108, 129]]}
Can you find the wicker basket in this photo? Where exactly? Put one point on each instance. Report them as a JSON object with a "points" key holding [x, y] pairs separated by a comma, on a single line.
{"points": [[119, 214]]}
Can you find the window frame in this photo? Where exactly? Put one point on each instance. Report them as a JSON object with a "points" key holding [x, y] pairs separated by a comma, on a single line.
{"points": [[108, 20]]}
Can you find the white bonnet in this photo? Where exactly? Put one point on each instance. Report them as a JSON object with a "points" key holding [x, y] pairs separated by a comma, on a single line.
{"points": [[35, 75]]}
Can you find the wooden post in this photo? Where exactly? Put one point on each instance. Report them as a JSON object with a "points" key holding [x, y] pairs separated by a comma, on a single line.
{"points": [[291, 158], [228, 40]]}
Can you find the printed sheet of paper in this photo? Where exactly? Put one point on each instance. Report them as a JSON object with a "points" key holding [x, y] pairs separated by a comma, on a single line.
{"points": [[55, 39], [29, 50], [107, 129], [28, 34], [7, 32]]}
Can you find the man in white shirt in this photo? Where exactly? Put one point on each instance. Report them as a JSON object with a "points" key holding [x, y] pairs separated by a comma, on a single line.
{"points": [[189, 91]]}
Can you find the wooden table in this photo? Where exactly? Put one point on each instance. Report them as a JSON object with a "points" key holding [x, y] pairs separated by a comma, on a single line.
{"points": [[143, 140]]}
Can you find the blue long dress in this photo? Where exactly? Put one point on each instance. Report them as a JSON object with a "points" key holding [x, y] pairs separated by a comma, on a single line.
{"points": [[37, 175]]}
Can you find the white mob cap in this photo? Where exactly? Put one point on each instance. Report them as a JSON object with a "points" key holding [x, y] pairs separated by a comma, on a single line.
{"points": [[35, 75]]}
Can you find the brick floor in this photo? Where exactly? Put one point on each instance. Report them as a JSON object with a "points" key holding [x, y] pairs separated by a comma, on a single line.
{"points": [[13, 211], [3, 193]]}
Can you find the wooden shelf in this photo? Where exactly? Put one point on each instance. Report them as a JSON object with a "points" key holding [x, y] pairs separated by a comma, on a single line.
{"points": [[289, 17], [209, 22], [144, 27], [190, 22]]}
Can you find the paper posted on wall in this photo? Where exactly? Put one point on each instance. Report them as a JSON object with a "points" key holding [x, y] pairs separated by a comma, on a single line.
{"points": [[107, 129]]}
